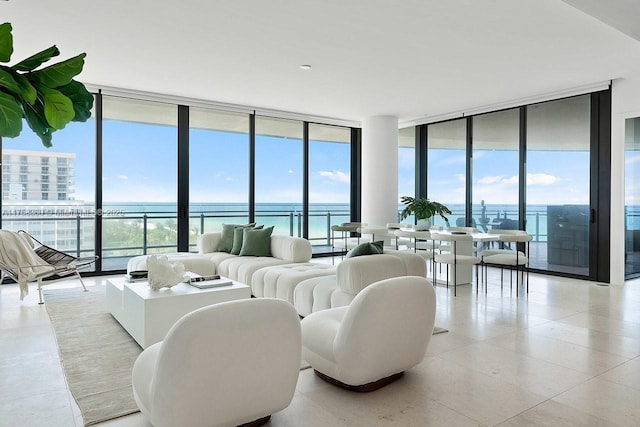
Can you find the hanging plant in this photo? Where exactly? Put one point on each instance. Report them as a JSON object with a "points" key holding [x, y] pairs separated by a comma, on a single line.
{"points": [[47, 98]]}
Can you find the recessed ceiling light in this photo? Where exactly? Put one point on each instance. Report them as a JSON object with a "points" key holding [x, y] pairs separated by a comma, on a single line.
{"points": [[305, 67]]}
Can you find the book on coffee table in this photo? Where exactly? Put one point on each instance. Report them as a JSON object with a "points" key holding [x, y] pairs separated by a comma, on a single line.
{"points": [[209, 281]]}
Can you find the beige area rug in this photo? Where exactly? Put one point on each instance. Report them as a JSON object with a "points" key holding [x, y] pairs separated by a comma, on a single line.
{"points": [[97, 354]]}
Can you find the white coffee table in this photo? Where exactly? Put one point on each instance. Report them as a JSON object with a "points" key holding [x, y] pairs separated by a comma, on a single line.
{"points": [[148, 315]]}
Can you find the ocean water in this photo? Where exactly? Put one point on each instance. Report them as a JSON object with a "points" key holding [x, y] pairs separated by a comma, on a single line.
{"points": [[287, 217]]}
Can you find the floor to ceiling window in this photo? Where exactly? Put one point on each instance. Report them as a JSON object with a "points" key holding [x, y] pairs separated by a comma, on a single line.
{"points": [[544, 167], [406, 166], [558, 184], [278, 174], [495, 191], [49, 192], [218, 170], [632, 197], [446, 172], [329, 180], [139, 180]]}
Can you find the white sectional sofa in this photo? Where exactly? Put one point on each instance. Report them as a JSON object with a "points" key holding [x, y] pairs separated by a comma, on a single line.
{"points": [[288, 275], [284, 250]]}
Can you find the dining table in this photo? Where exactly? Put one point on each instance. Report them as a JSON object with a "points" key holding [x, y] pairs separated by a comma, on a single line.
{"points": [[464, 272]]}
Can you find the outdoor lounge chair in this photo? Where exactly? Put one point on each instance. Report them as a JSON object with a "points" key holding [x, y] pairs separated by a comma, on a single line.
{"points": [[25, 259]]}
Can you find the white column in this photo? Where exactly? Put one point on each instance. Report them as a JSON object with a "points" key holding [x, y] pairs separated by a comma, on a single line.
{"points": [[380, 170]]}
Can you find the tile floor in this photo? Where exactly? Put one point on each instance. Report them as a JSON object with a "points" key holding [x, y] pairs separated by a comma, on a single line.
{"points": [[568, 354]]}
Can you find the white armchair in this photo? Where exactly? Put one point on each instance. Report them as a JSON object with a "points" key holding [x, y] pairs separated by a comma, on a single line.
{"points": [[225, 364], [370, 343]]}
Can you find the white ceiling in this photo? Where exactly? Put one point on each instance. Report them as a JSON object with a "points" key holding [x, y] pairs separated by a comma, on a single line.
{"points": [[409, 58]]}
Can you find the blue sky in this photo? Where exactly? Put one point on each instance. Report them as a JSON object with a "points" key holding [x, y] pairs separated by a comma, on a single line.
{"points": [[140, 166]]}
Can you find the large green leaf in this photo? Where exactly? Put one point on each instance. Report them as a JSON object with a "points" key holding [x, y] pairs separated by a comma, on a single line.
{"points": [[28, 92], [58, 109], [34, 61], [34, 114], [10, 116], [6, 42], [8, 83], [81, 98], [59, 74]]}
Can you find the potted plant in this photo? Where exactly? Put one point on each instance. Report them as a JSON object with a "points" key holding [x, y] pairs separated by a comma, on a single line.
{"points": [[46, 97], [423, 209]]}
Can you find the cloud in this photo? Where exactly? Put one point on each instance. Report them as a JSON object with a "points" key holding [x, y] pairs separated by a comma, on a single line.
{"points": [[225, 177], [123, 177], [290, 171], [513, 180], [338, 176], [489, 180], [541, 179]]}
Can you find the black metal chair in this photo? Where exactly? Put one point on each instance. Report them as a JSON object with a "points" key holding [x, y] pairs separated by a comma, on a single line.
{"points": [[25, 259]]}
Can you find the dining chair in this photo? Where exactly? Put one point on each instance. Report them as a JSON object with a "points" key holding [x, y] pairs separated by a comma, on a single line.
{"points": [[419, 242], [512, 258], [455, 257], [345, 241]]}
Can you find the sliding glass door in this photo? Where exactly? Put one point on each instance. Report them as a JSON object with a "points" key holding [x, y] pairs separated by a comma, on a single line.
{"points": [[558, 184], [495, 182], [278, 174], [218, 170], [447, 171], [329, 180], [632, 198], [139, 179]]}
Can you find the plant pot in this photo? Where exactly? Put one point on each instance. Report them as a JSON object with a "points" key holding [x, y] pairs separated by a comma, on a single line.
{"points": [[423, 224]]}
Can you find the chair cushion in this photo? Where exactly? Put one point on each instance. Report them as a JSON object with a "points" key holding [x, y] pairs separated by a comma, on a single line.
{"points": [[457, 259], [507, 259]]}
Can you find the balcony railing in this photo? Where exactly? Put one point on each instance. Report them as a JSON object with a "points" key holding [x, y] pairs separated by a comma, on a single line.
{"points": [[139, 233]]}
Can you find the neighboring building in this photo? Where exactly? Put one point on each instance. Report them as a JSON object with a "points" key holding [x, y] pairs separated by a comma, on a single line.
{"points": [[37, 175], [38, 196]]}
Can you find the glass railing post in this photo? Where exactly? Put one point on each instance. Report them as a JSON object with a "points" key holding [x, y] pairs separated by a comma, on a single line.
{"points": [[328, 228], [202, 223], [78, 236], [144, 234], [299, 224], [537, 226], [290, 223]]}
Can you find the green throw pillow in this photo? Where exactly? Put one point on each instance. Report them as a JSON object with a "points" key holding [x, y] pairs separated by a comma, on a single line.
{"points": [[256, 242], [368, 248], [226, 238], [238, 233]]}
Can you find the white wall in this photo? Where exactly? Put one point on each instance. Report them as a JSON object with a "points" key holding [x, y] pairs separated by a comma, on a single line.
{"points": [[625, 103]]}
